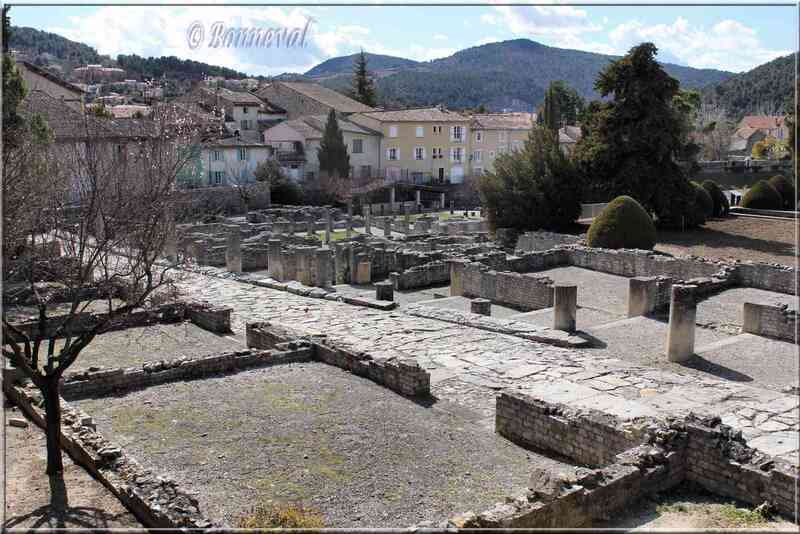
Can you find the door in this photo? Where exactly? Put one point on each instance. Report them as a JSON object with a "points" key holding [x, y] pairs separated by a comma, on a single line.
{"points": [[441, 175]]}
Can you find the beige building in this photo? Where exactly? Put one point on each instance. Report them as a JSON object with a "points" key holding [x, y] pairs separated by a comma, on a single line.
{"points": [[493, 134], [425, 145], [38, 79], [296, 143], [232, 160]]}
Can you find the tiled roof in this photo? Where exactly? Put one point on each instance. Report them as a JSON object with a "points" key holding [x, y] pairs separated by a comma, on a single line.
{"points": [[53, 78], [325, 96], [503, 121], [318, 123], [762, 121], [434, 114], [234, 97], [233, 141]]}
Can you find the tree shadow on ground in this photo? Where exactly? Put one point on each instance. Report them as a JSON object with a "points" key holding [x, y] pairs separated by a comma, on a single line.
{"points": [[699, 363], [59, 514], [714, 239]]}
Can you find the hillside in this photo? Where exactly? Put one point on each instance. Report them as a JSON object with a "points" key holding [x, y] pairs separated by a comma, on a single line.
{"points": [[765, 89], [37, 43], [172, 67], [344, 65], [509, 74]]}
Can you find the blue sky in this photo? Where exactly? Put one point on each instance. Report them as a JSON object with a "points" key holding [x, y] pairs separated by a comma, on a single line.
{"points": [[733, 38]]}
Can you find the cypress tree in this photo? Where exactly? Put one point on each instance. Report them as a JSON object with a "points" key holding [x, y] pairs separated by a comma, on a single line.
{"points": [[363, 85], [332, 152]]}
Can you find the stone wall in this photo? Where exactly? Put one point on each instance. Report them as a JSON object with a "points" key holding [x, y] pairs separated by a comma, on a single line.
{"points": [[430, 274], [105, 381], [533, 241], [404, 376], [772, 321], [475, 280]]}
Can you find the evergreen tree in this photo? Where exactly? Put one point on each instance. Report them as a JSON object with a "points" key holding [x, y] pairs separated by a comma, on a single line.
{"points": [[332, 152], [631, 142], [363, 84], [552, 109]]}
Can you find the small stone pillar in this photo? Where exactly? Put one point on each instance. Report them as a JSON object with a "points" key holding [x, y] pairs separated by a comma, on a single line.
{"points": [[682, 313], [642, 293], [322, 260], [310, 225], [328, 226], [441, 202], [274, 261], [406, 215], [384, 290], [233, 252], [419, 199], [392, 199], [452, 207], [368, 219], [363, 269], [481, 306], [565, 305], [387, 227], [349, 229]]}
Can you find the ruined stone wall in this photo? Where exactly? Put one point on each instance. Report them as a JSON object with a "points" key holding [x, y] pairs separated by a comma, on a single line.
{"points": [[589, 438], [475, 280], [767, 276], [771, 321], [429, 274], [533, 241]]}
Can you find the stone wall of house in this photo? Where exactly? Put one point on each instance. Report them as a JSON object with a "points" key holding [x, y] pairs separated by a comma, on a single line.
{"points": [[403, 376], [772, 321]]}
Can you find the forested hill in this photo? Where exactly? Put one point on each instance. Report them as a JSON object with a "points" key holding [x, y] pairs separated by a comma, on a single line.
{"points": [[764, 90], [36, 42], [172, 67], [509, 74], [344, 64]]}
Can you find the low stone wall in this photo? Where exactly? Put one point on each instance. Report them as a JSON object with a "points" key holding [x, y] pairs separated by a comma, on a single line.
{"points": [[105, 381], [771, 277], [156, 501], [523, 292], [533, 241], [771, 321], [587, 437], [404, 376], [429, 274]]}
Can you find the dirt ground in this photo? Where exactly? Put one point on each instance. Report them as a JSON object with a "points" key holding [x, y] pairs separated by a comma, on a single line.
{"points": [[741, 238], [691, 507], [85, 502]]}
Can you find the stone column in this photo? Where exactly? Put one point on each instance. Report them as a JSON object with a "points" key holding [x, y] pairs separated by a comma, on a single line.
{"points": [[328, 226], [565, 305], [419, 200], [452, 206], [349, 230], [274, 261], [406, 215], [233, 252], [441, 202], [323, 261], [384, 290], [642, 296], [363, 269], [682, 312], [481, 306], [310, 225], [392, 199], [368, 219], [387, 227]]}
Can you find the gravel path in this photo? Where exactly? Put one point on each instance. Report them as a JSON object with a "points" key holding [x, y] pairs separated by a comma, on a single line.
{"points": [[356, 452]]}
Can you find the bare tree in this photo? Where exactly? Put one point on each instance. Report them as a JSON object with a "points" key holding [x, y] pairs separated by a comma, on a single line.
{"points": [[107, 202], [715, 129]]}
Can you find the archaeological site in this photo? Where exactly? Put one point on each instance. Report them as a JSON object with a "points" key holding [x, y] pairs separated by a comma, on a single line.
{"points": [[416, 370]]}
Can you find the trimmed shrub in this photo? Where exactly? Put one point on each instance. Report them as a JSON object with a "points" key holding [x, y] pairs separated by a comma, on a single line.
{"points": [[719, 198], [762, 196], [622, 224], [704, 201], [785, 188]]}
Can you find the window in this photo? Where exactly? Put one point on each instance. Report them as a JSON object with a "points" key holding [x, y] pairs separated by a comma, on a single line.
{"points": [[478, 171], [393, 130], [477, 155], [437, 130], [366, 171], [215, 177], [420, 131], [501, 150], [216, 155], [358, 146], [491, 154], [457, 133], [501, 136], [437, 153], [419, 153], [244, 110], [244, 155], [456, 154], [245, 124], [516, 145], [479, 136], [393, 154]]}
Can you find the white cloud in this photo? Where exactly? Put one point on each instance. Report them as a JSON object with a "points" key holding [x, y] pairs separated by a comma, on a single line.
{"points": [[440, 37], [727, 45], [541, 21]]}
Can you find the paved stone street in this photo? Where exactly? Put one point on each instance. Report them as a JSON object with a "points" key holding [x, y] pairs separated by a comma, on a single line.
{"points": [[469, 366]]}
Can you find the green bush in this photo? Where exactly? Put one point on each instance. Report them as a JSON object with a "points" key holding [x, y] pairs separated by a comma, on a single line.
{"points": [[704, 200], [719, 198], [762, 196], [622, 224], [785, 188]]}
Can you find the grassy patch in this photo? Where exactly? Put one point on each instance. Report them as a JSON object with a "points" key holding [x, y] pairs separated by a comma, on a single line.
{"points": [[718, 515], [336, 235], [271, 515]]}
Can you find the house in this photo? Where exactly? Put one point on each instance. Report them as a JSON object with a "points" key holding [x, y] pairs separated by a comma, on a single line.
{"points": [[770, 125], [300, 99], [38, 79], [743, 139], [423, 145], [93, 73], [231, 160], [568, 137], [296, 143], [494, 134]]}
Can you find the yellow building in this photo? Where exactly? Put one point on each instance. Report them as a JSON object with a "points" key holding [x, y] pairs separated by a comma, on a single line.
{"points": [[493, 134], [424, 145]]}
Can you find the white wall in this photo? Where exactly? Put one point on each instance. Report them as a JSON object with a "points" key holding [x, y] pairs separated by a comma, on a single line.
{"points": [[234, 169]]}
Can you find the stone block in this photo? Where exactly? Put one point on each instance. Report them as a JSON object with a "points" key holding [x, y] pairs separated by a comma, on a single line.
{"points": [[384, 291], [481, 306]]}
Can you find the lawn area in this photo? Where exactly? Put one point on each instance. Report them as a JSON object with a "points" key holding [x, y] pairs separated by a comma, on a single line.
{"points": [[741, 238], [336, 235], [445, 215]]}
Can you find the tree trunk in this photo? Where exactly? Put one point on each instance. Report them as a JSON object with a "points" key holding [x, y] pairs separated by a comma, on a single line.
{"points": [[52, 404]]}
